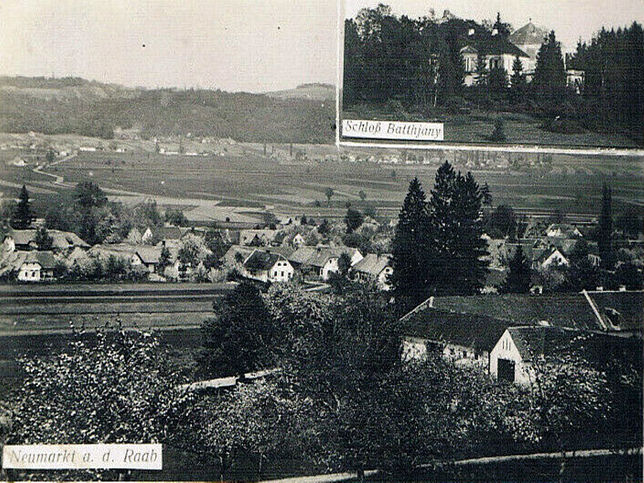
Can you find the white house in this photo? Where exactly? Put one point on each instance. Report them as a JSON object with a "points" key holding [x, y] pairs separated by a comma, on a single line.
{"points": [[37, 267], [497, 51], [323, 260], [268, 267], [553, 257], [563, 230]]}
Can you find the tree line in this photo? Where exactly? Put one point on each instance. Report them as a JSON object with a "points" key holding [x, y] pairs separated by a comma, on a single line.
{"points": [[415, 67]]}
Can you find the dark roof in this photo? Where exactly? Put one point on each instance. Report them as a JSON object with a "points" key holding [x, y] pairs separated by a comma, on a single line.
{"points": [[372, 264], [529, 34], [561, 310], [166, 232], [598, 349], [45, 259], [261, 260], [479, 332], [623, 309], [493, 45]]}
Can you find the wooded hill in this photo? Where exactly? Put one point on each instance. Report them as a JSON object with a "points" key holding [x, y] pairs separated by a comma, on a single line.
{"points": [[74, 105]]}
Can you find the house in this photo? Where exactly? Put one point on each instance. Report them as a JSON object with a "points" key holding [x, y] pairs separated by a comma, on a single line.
{"points": [[513, 357], [529, 39], [563, 230], [123, 251], [37, 267], [552, 257], [322, 261], [268, 267], [256, 238], [374, 268], [464, 338], [496, 50], [156, 234], [620, 312], [147, 257], [236, 254], [62, 241]]}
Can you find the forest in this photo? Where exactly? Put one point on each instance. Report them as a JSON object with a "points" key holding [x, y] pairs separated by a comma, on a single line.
{"points": [[78, 106], [417, 66]]}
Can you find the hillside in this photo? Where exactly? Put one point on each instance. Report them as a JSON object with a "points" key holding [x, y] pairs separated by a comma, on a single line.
{"points": [[73, 105], [314, 92]]}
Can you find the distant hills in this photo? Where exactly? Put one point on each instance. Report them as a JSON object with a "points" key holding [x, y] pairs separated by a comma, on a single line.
{"points": [[315, 92], [75, 105]]}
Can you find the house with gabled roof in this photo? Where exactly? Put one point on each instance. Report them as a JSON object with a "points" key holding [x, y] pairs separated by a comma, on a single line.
{"points": [[373, 269], [322, 261], [62, 241], [37, 266], [268, 267], [496, 50], [464, 338], [148, 257], [161, 233], [513, 357]]}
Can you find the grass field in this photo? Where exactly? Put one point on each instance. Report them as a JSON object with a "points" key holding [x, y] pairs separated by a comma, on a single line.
{"points": [[477, 127], [240, 186]]}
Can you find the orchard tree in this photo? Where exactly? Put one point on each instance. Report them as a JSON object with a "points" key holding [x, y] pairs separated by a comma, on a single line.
{"points": [[353, 219], [22, 215], [519, 276], [88, 195], [329, 192], [112, 386], [238, 339]]}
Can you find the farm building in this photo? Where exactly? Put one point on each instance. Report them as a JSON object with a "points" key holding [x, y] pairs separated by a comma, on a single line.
{"points": [[373, 268], [157, 234], [464, 338], [514, 356], [147, 257], [37, 267], [62, 241], [268, 267], [322, 261]]}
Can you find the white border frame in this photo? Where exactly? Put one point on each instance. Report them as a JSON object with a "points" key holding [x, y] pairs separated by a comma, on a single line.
{"points": [[442, 145]]}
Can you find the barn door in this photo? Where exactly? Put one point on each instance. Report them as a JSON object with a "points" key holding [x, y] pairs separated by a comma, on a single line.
{"points": [[505, 370]]}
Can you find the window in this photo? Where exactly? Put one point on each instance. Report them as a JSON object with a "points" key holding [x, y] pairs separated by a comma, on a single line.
{"points": [[282, 274]]}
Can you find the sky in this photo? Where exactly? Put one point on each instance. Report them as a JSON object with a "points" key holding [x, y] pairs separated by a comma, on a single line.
{"points": [[233, 45], [570, 19]]}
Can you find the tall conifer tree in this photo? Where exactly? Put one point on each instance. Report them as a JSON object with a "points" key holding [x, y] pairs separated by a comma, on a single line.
{"points": [[409, 277], [22, 216], [518, 278]]}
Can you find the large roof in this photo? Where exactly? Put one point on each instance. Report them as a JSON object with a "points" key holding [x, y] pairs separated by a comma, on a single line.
{"points": [[596, 348], [493, 45], [261, 260], [479, 332], [318, 256], [60, 239], [571, 310], [44, 259], [529, 34]]}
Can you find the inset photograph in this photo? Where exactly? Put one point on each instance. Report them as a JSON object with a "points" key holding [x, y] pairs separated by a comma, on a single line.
{"points": [[541, 74]]}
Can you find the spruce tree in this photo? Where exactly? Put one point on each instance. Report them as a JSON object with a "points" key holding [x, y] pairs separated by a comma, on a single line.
{"points": [[455, 249], [469, 269], [518, 278], [606, 229], [22, 216], [550, 72], [517, 80], [409, 277]]}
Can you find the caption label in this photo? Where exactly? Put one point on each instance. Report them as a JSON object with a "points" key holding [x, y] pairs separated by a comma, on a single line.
{"points": [[82, 456], [409, 131]]}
